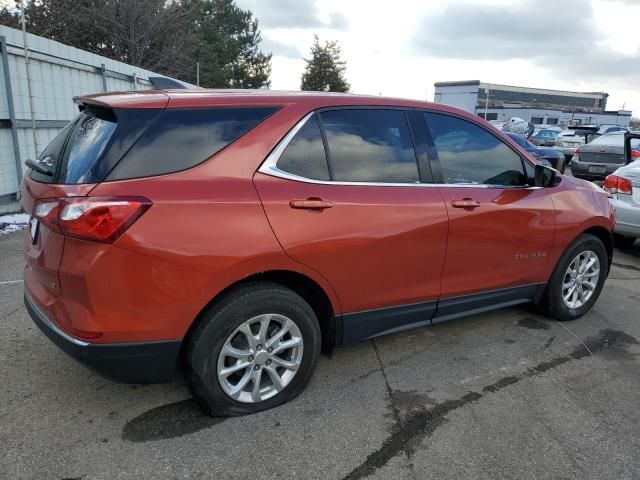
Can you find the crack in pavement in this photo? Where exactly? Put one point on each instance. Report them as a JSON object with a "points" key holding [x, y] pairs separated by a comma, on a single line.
{"points": [[392, 404], [423, 422], [625, 266]]}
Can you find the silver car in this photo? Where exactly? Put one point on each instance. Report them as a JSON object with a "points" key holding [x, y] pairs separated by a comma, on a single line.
{"points": [[624, 186]]}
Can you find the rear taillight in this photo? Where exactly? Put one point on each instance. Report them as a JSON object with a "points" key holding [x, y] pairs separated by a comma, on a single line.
{"points": [[47, 212], [615, 184], [577, 152], [635, 154], [98, 219]]}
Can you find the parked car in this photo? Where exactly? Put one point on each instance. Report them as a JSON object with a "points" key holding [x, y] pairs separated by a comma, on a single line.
{"points": [[519, 126], [235, 235], [552, 156], [569, 140], [602, 156], [544, 138], [624, 186], [604, 129]]}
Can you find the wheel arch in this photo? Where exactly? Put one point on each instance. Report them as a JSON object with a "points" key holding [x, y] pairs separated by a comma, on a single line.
{"points": [[605, 236], [306, 287]]}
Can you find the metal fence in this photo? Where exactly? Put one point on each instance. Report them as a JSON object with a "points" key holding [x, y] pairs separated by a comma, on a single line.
{"points": [[58, 73]]}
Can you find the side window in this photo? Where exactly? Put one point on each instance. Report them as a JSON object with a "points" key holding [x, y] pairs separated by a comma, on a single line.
{"points": [[470, 155], [370, 145], [183, 138], [305, 156]]}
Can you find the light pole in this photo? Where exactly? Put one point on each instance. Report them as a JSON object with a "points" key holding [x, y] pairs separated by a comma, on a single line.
{"points": [[486, 102]]}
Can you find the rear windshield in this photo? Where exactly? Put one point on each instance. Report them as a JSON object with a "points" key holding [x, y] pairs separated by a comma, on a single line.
{"points": [[614, 140], [74, 151]]}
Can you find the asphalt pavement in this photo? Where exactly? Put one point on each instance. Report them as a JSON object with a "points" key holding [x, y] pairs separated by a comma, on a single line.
{"points": [[507, 394]]}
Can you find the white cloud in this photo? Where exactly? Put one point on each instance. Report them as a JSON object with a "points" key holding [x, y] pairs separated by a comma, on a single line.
{"points": [[401, 49]]}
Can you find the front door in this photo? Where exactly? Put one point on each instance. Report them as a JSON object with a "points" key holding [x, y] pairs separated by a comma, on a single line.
{"points": [[500, 228], [359, 215]]}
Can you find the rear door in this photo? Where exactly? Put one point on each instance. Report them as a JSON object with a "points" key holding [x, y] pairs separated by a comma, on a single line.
{"points": [[346, 196], [500, 228]]}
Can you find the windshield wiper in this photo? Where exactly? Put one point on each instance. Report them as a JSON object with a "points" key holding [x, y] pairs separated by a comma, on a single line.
{"points": [[38, 168]]}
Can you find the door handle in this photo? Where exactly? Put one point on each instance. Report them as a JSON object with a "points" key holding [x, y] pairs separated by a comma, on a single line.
{"points": [[310, 204], [466, 203]]}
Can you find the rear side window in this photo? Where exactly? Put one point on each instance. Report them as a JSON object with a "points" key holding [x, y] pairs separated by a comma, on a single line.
{"points": [[183, 138], [305, 156], [370, 145], [469, 154], [73, 153]]}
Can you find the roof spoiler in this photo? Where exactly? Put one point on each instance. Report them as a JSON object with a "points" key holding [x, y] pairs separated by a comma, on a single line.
{"points": [[628, 136], [163, 83]]}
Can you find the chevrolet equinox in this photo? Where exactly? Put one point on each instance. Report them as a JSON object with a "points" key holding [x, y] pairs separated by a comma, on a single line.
{"points": [[233, 236]]}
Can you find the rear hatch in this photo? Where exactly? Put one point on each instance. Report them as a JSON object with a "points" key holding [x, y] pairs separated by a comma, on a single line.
{"points": [[69, 167], [62, 169]]}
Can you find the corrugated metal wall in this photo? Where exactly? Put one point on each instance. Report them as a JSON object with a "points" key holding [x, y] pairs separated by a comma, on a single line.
{"points": [[58, 73]]}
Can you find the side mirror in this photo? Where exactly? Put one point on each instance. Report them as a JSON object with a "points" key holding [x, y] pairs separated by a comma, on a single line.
{"points": [[546, 176]]}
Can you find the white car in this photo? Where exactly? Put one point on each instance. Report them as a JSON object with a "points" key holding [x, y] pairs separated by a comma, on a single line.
{"points": [[624, 186], [568, 141]]}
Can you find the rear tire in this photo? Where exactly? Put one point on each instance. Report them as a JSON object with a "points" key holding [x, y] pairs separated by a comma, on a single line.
{"points": [[621, 241], [247, 323], [572, 279]]}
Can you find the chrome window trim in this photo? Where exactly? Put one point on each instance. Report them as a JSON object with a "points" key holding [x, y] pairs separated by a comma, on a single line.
{"points": [[269, 167]]}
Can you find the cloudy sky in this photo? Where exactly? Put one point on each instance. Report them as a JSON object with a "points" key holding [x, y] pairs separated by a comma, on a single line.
{"points": [[401, 47]]}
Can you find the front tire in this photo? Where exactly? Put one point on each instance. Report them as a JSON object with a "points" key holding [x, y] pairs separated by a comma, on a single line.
{"points": [[255, 349], [577, 280]]}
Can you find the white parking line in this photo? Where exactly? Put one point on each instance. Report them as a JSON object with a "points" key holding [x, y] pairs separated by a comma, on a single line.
{"points": [[11, 281]]}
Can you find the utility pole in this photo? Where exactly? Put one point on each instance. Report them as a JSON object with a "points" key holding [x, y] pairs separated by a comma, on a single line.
{"points": [[27, 61], [486, 102], [197, 74]]}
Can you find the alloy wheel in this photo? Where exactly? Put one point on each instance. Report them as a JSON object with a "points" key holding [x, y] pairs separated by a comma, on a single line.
{"points": [[260, 358], [581, 279]]}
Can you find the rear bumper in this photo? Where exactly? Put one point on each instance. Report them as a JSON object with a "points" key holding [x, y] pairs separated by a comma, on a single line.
{"points": [[581, 170], [138, 362]]}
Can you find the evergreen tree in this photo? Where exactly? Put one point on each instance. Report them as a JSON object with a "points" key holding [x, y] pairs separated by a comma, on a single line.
{"points": [[228, 46], [167, 37], [325, 71]]}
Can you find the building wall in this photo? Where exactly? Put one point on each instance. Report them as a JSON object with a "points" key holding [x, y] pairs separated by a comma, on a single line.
{"points": [[470, 97], [563, 117], [463, 97], [58, 73]]}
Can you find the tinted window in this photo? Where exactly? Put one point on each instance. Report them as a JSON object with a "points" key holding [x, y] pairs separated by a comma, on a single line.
{"points": [[471, 155], [51, 156], [86, 145], [73, 153], [370, 145], [304, 156], [182, 138]]}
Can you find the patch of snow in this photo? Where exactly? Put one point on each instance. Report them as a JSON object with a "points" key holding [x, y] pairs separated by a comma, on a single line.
{"points": [[13, 222]]}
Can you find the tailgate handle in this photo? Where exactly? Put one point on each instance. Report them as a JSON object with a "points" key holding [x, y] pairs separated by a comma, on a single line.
{"points": [[310, 204], [466, 203]]}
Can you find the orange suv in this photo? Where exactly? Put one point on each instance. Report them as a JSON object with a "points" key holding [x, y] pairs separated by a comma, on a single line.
{"points": [[231, 236]]}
